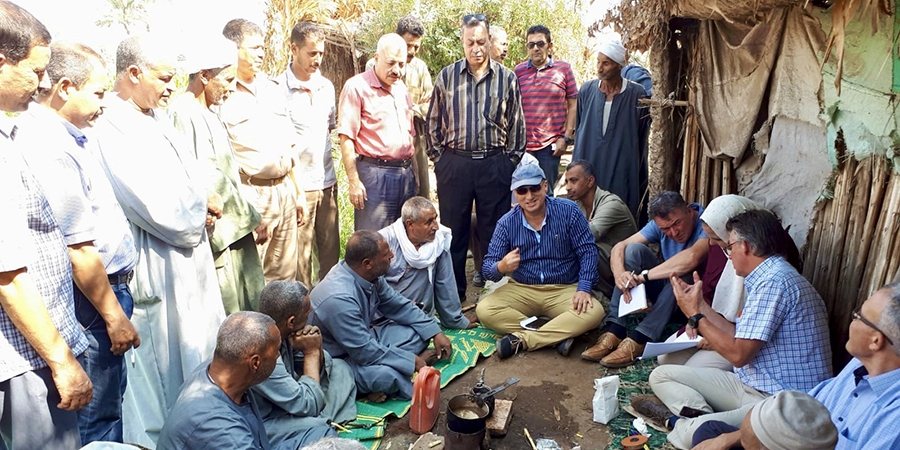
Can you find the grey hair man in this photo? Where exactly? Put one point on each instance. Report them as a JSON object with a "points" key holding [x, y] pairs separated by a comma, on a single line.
{"points": [[216, 407], [308, 388], [41, 381], [499, 43], [263, 140], [99, 239], [178, 305], [422, 269]]}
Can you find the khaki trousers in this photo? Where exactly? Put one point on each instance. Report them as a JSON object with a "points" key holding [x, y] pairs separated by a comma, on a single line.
{"points": [[423, 179], [503, 309], [278, 207], [716, 391], [319, 231]]}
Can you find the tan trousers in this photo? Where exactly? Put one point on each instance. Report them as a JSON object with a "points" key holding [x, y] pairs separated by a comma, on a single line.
{"points": [[278, 207], [503, 309], [319, 231], [423, 180], [716, 391]]}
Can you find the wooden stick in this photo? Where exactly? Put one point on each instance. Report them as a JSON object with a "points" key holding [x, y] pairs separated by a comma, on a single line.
{"points": [[530, 441], [469, 308], [655, 102]]}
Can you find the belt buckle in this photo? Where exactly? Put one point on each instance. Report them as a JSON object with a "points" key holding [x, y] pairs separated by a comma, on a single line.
{"points": [[479, 155]]}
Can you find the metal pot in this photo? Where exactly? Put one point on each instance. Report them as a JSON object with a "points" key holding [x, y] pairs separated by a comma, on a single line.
{"points": [[465, 414]]}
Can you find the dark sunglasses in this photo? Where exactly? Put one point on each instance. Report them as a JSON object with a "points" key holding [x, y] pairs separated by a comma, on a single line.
{"points": [[468, 18], [522, 190], [857, 315], [538, 44]]}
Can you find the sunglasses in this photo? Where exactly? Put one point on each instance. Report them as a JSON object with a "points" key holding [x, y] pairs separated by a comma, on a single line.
{"points": [[468, 18], [857, 315], [538, 44], [522, 190]]}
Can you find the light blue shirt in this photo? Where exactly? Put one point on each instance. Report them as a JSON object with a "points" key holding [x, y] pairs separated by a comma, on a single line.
{"points": [[865, 410], [668, 246], [785, 312]]}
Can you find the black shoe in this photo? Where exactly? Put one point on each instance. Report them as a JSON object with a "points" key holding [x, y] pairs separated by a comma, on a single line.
{"points": [[509, 345], [565, 347], [691, 413], [478, 280]]}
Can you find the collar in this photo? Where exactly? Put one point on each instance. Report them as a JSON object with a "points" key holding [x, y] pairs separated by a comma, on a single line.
{"points": [[249, 86], [758, 274], [546, 66], [294, 83], [7, 127], [76, 133], [543, 222], [882, 384], [366, 285], [464, 66], [859, 373], [370, 77]]}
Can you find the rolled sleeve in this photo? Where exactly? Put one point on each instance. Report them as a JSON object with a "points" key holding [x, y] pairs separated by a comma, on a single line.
{"points": [[350, 111]]}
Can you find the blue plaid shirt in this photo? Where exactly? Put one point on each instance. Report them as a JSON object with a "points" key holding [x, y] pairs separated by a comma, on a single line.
{"points": [[47, 261], [865, 409], [784, 311], [563, 252]]}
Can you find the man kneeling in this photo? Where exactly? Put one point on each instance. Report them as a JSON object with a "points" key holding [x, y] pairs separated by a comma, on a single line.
{"points": [[545, 245]]}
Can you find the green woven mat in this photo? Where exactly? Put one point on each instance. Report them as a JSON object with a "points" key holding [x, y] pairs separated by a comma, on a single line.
{"points": [[632, 381], [468, 346]]}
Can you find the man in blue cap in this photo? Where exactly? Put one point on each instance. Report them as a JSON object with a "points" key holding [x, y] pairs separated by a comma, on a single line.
{"points": [[545, 246]]}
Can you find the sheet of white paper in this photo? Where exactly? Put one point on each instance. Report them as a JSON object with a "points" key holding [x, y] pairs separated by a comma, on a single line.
{"points": [[638, 301], [674, 343]]}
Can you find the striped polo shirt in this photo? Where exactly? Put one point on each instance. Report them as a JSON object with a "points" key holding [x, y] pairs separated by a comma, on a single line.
{"points": [[544, 95]]}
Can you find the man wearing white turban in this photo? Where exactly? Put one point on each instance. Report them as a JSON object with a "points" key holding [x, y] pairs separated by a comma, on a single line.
{"points": [[211, 67], [611, 129]]}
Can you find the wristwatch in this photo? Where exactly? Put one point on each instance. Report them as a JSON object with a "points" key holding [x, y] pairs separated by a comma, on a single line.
{"points": [[694, 321], [644, 274], [569, 140]]}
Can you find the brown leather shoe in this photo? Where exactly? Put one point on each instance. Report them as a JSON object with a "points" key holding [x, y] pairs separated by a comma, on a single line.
{"points": [[652, 408], [625, 355], [604, 346]]}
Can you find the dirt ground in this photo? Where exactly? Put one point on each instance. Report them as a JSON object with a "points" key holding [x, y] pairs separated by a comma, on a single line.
{"points": [[552, 400]]}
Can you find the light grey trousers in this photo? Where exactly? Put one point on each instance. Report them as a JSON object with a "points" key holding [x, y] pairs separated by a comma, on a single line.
{"points": [[29, 418]]}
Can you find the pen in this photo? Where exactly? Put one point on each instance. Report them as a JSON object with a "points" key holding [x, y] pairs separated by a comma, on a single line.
{"points": [[133, 359], [628, 284]]}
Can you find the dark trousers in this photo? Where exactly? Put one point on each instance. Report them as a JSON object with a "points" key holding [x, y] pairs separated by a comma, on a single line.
{"points": [[549, 164], [460, 180], [387, 188], [711, 430], [101, 419], [637, 258]]}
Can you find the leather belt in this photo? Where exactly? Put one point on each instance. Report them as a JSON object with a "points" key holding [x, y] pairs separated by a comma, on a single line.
{"points": [[477, 154], [256, 181], [121, 278], [404, 163]]}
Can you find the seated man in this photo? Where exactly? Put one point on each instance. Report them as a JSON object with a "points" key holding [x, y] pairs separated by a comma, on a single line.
{"points": [[421, 269], [382, 356], [610, 220], [216, 407], [780, 341], [788, 420], [675, 226], [545, 246], [296, 407], [864, 399]]}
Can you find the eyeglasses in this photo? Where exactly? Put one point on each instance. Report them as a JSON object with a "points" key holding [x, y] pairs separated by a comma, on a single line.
{"points": [[857, 315], [469, 18], [522, 190], [728, 245], [538, 44]]}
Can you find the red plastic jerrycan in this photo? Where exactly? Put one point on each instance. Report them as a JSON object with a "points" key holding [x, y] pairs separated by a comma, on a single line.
{"points": [[426, 401]]}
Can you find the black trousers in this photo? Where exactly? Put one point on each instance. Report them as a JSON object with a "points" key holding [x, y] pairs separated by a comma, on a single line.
{"points": [[461, 179]]}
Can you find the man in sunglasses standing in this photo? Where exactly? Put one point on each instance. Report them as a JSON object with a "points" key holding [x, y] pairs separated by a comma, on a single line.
{"points": [[476, 136], [549, 96], [546, 247]]}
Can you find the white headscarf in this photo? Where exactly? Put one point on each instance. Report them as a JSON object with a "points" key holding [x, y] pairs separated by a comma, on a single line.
{"points": [[723, 208], [425, 256], [613, 49]]}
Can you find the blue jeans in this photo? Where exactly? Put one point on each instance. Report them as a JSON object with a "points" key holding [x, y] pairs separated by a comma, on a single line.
{"points": [[387, 188], [101, 419], [637, 258], [549, 164]]}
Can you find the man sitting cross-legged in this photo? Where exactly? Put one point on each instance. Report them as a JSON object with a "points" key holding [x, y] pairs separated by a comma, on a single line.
{"points": [[545, 245], [380, 333], [307, 388], [422, 270]]}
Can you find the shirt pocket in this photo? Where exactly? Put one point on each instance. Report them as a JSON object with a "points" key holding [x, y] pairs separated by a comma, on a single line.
{"points": [[493, 109]]}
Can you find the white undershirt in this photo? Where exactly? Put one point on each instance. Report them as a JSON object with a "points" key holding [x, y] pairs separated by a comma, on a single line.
{"points": [[607, 107]]}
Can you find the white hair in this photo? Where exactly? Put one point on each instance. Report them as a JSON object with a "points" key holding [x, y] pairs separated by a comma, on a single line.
{"points": [[144, 51], [390, 42]]}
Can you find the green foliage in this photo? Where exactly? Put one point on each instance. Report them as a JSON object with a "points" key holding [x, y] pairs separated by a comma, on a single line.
{"points": [[441, 45]]}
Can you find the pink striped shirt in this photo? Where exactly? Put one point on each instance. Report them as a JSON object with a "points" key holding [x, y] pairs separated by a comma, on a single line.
{"points": [[544, 95]]}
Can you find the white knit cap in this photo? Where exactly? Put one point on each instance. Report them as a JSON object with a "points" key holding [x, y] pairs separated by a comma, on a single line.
{"points": [[792, 420], [613, 49], [210, 53]]}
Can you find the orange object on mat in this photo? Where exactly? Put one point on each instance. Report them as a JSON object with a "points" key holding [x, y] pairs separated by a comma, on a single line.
{"points": [[426, 400]]}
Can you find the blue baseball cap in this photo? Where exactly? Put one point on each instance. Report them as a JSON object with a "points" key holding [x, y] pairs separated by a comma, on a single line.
{"points": [[527, 175]]}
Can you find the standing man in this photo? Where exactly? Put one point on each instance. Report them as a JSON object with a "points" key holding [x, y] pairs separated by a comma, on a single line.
{"points": [[499, 44], [376, 133], [41, 381], [548, 101], [100, 244], [476, 136], [611, 130], [211, 78], [255, 116], [608, 216], [310, 98], [177, 303]]}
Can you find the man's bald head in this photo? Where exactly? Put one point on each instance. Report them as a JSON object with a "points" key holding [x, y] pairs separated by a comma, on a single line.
{"points": [[390, 58]]}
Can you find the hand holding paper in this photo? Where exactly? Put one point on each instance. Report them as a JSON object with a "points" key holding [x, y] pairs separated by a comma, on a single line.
{"points": [[638, 301]]}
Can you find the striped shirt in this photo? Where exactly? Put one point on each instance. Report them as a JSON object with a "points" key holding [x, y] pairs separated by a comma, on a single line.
{"points": [[562, 252], [784, 311], [476, 115], [544, 95]]}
